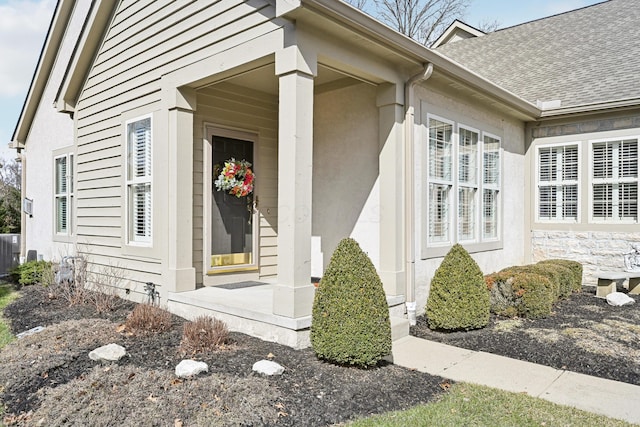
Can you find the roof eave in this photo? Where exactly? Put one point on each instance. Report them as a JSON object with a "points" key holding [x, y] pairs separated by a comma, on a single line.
{"points": [[90, 38], [363, 23], [48, 54], [599, 107]]}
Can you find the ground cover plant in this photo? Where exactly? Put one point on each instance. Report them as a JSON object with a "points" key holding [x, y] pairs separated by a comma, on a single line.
{"points": [[48, 379]]}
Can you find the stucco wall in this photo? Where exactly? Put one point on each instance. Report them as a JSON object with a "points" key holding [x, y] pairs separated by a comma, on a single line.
{"points": [[50, 131], [471, 112], [345, 170]]}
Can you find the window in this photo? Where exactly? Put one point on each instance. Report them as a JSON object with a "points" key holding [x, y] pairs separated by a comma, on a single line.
{"points": [[63, 193], [491, 187], [139, 180], [558, 183], [440, 179], [614, 180], [463, 185]]}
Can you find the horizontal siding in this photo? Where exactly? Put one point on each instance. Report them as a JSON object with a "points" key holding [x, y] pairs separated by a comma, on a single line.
{"points": [[146, 40]]}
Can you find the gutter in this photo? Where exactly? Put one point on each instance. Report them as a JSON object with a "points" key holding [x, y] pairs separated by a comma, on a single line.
{"points": [[409, 204], [407, 48]]}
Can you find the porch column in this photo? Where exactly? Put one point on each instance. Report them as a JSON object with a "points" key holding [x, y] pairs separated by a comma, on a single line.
{"points": [[181, 274], [293, 296], [391, 114]]}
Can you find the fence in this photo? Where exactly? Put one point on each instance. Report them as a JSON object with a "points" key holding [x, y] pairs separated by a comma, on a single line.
{"points": [[9, 252]]}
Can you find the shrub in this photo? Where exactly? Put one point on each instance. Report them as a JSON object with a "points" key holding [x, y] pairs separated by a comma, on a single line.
{"points": [[350, 320], [561, 277], [520, 293], [458, 298], [34, 272], [147, 318], [574, 266], [204, 334]]}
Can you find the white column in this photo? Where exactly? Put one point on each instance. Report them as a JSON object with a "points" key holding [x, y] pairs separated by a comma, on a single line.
{"points": [[293, 296], [391, 114], [181, 275]]}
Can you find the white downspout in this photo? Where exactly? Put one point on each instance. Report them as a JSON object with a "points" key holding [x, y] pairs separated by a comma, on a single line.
{"points": [[409, 214]]}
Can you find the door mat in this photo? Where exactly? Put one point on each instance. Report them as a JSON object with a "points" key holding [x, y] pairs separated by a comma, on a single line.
{"points": [[241, 285]]}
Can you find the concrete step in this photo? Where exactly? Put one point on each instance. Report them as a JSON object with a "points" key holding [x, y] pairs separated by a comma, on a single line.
{"points": [[399, 328]]}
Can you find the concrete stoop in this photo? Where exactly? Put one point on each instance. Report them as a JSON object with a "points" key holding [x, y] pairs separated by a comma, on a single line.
{"points": [[399, 327]]}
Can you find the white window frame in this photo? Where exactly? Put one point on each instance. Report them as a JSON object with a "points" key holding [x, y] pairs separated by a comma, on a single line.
{"points": [[447, 185], [133, 180], [478, 241], [495, 188], [67, 194], [560, 184], [615, 181], [472, 184]]}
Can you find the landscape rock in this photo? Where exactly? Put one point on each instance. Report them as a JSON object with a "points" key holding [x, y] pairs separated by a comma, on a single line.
{"points": [[30, 332], [188, 368], [619, 298], [267, 367], [108, 353]]}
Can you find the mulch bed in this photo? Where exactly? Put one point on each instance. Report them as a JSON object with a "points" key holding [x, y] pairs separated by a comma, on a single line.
{"points": [[48, 378], [584, 334]]}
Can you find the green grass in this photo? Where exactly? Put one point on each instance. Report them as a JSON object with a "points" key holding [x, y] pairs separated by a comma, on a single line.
{"points": [[7, 294], [474, 405]]}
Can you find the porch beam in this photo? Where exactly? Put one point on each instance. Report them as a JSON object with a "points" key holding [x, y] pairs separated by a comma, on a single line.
{"points": [[293, 295], [390, 102], [181, 275]]}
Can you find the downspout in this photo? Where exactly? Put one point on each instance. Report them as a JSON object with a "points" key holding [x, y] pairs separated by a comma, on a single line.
{"points": [[409, 204]]}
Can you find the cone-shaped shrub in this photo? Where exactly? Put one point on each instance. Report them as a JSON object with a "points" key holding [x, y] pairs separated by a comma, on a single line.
{"points": [[458, 298], [350, 323]]}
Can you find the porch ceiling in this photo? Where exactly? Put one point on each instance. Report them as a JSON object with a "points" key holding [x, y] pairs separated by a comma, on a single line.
{"points": [[264, 79]]}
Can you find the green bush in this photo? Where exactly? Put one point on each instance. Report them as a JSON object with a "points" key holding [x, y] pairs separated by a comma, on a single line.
{"points": [[574, 266], [458, 298], [33, 272], [515, 292], [561, 276], [350, 321]]}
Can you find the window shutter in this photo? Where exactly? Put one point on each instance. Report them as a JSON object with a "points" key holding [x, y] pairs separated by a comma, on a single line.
{"points": [[61, 214], [438, 213], [440, 147], [61, 175]]}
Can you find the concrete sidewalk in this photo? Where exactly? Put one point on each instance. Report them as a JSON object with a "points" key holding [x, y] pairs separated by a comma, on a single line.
{"points": [[610, 398]]}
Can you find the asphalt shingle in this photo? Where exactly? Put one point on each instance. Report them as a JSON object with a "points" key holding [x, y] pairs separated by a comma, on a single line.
{"points": [[590, 55]]}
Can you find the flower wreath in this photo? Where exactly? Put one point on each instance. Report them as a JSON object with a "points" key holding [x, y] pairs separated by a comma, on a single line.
{"points": [[236, 177]]}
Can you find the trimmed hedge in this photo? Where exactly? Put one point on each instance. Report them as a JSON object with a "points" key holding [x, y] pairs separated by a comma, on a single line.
{"points": [[574, 266], [458, 299], [531, 290], [350, 320], [522, 294]]}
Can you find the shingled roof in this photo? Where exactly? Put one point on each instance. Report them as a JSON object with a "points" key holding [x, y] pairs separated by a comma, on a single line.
{"points": [[583, 57]]}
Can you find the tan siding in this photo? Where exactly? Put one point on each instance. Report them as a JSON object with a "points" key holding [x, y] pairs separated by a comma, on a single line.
{"points": [[146, 40], [244, 109]]}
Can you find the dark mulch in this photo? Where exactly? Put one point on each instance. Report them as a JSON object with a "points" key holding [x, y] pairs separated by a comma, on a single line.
{"points": [[310, 392], [584, 334]]}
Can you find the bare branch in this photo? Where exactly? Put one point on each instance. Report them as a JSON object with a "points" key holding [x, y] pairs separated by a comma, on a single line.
{"points": [[422, 20], [360, 4], [488, 25]]}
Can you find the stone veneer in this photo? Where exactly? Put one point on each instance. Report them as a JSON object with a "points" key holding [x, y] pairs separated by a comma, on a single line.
{"points": [[596, 250]]}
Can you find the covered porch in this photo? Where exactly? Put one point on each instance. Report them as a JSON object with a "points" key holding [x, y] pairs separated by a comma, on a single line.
{"points": [[326, 122]]}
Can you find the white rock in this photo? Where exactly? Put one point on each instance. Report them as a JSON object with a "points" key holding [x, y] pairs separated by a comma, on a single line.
{"points": [[30, 332], [108, 353], [619, 298], [267, 367], [188, 368]]}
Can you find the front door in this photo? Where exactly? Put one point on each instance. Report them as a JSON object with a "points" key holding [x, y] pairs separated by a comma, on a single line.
{"points": [[232, 204]]}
